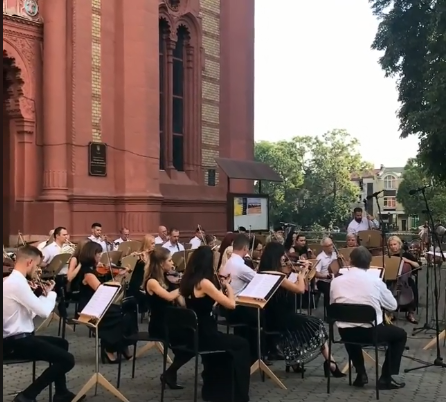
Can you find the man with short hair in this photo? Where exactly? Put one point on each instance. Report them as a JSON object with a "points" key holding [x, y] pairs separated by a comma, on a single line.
{"points": [[323, 275], [60, 236], [360, 222], [198, 239], [358, 287], [173, 245], [162, 235], [125, 234], [98, 237], [20, 305]]}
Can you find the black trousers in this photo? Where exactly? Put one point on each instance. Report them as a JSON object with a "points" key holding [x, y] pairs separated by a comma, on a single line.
{"points": [[394, 336], [324, 288], [48, 349]]}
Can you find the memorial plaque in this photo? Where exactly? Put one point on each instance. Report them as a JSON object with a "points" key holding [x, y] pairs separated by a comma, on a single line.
{"points": [[97, 159]]}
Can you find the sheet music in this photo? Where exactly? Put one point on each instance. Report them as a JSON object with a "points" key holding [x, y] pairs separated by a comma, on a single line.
{"points": [[260, 286], [293, 277], [372, 271], [103, 296]]}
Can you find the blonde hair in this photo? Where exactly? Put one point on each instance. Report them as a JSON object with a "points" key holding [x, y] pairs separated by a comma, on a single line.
{"points": [[395, 238], [226, 256], [351, 236], [153, 268], [147, 242]]}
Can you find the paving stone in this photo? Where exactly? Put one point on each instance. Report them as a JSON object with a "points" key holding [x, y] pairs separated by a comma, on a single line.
{"points": [[427, 385]]}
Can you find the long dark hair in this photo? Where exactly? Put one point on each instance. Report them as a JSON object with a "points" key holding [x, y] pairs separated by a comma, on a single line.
{"points": [[289, 241], [271, 257], [87, 256], [200, 266], [154, 268]]}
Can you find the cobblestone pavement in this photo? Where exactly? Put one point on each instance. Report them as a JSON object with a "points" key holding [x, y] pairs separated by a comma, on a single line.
{"points": [[427, 385]]}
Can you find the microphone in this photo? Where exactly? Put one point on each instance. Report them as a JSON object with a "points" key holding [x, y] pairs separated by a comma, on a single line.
{"points": [[369, 197], [419, 189]]}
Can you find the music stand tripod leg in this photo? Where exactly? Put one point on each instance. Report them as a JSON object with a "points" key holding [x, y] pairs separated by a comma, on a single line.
{"points": [[149, 346], [95, 380], [441, 335], [45, 323]]}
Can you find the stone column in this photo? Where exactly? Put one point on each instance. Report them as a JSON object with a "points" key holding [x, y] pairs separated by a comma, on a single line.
{"points": [[55, 136]]}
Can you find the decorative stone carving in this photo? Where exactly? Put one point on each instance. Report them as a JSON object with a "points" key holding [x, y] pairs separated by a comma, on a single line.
{"points": [[27, 49]]}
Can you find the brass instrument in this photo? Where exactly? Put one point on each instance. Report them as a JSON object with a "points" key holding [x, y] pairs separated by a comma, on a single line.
{"points": [[68, 248]]}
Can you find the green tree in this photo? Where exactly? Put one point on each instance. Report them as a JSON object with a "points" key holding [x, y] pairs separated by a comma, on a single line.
{"points": [[415, 176], [412, 35]]}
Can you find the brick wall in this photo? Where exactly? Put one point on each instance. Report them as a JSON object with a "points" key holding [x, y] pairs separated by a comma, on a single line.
{"points": [[96, 70], [210, 14]]}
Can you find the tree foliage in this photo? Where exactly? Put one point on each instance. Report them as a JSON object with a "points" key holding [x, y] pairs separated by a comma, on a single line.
{"points": [[316, 170], [412, 37], [415, 176]]}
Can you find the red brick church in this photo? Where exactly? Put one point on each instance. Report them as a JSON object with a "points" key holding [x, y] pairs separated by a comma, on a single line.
{"points": [[115, 111]]}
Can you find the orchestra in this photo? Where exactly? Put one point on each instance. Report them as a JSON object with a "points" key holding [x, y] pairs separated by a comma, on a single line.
{"points": [[214, 274]]}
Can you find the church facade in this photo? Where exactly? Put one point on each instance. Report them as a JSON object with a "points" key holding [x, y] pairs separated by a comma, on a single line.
{"points": [[114, 112]]}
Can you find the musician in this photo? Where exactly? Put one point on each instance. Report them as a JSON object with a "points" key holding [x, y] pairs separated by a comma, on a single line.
{"points": [[197, 239], [174, 245], [299, 246], [301, 336], [74, 265], [162, 235], [277, 235], [360, 222], [395, 245], [60, 235], [351, 240], [323, 275], [225, 243], [144, 254], [161, 294], [20, 305], [241, 229], [43, 244], [226, 256], [97, 237], [198, 287], [124, 236], [357, 287], [112, 329]]}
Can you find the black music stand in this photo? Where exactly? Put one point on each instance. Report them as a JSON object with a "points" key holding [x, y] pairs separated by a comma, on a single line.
{"points": [[435, 241], [382, 229], [248, 298]]}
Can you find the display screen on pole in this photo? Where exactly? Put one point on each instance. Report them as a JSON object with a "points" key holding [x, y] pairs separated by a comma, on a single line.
{"points": [[248, 210]]}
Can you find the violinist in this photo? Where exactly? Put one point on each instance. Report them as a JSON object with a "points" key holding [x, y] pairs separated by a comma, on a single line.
{"points": [[323, 275], [351, 240], [357, 287], [20, 305], [144, 254], [225, 243], [74, 267], [395, 245], [161, 294], [112, 330], [299, 247]]}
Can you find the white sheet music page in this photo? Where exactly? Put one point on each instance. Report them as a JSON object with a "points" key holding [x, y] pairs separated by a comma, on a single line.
{"points": [[260, 286], [103, 296]]}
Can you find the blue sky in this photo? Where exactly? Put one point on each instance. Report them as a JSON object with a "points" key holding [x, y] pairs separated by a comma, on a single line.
{"points": [[315, 71]]}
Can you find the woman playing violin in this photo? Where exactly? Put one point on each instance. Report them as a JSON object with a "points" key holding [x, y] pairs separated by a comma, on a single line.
{"points": [[297, 247], [395, 245], [161, 294]]}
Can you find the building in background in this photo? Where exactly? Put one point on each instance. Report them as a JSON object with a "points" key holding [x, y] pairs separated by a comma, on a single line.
{"points": [[386, 180], [114, 111]]}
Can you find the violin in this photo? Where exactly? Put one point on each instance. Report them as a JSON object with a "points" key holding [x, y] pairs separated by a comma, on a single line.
{"points": [[103, 270], [174, 277]]}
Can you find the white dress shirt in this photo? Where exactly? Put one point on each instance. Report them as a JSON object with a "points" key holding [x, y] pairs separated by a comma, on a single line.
{"points": [[240, 273], [21, 305], [117, 242], [173, 248], [42, 245], [354, 227], [102, 243], [158, 240], [50, 251], [324, 264], [358, 287], [196, 242]]}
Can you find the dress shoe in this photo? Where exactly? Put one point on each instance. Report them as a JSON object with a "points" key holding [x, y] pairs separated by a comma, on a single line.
{"points": [[170, 382], [66, 397], [361, 380], [389, 383], [22, 398]]}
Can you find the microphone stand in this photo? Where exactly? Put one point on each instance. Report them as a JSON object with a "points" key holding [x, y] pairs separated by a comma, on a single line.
{"points": [[438, 362], [383, 231]]}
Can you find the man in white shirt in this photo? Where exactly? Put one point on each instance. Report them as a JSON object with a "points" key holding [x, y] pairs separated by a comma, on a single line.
{"points": [[60, 236], [125, 234], [20, 306], [360, 222], [358, 287], [323, 275], [198, 239], [162, 235], [97, 237], [173, 245]]}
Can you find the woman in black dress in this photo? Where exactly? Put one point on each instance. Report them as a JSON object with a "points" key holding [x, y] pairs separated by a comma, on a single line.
{"points": [[302, 337], [161, 293], [112, 328], [198, 287]]}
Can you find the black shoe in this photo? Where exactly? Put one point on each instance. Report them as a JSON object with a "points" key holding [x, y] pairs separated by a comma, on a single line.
{"points": [[105, 358], [361, 380], [389, 383], [170, 382], [67, 397], [334, 372], [22, 398]]}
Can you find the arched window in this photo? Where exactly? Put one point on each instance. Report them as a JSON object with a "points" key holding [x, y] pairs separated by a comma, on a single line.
{"points": [[390, 182]]}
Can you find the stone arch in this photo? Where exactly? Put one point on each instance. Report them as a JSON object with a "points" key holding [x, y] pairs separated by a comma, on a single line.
{"points": [[192, 24]]}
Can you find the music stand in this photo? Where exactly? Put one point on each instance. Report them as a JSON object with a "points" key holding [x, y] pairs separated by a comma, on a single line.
{"points": [[256, 295], [53, 269], [91, 317]]}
